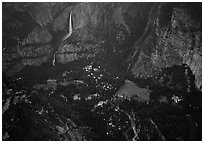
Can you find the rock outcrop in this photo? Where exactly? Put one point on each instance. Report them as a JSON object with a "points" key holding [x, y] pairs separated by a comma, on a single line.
{"points": [[175, 40], [162, 36], [93, 24]]}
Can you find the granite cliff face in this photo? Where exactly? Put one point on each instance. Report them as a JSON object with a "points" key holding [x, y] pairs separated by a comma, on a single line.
{"points": [[103, 29], [128, 71], [94, 24], [175, 40]]}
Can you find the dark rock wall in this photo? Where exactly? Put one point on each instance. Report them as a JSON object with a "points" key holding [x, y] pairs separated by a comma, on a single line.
{"points": [[176, 40], [32, 34]]}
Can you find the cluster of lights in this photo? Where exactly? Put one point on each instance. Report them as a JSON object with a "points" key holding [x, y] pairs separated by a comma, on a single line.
{"points": [[88, 68], [51, 92], [92, 96], [100, 103], [91, 70], [61, 95], [41, 111], [176, 99], [97, 78], [110, 124], [113, 122], [106, 86], [19, 92], [19, 78], [76, 97]]}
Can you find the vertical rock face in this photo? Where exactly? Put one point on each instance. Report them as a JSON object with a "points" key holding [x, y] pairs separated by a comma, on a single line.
{"points": [[39, 35], [94, 26], [174, 42], [109, 30]]}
